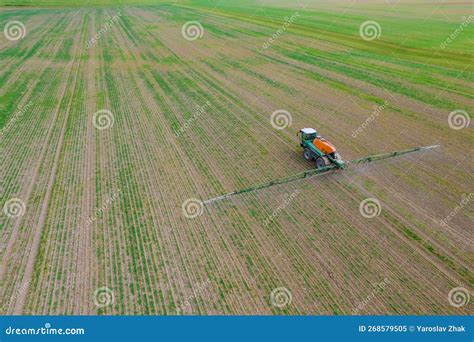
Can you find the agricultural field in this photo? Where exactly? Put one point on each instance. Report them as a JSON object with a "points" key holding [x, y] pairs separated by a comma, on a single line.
{"points": [[119, 119]]}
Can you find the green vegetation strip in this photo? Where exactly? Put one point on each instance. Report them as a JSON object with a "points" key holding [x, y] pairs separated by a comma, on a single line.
{"points": [[307, 173]]}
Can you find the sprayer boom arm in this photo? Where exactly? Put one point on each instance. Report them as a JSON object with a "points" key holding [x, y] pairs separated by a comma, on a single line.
{"points": [[304, 174]]}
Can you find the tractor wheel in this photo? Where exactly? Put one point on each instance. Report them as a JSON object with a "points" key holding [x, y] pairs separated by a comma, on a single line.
{"points": [[320, 164], [307, 155]]}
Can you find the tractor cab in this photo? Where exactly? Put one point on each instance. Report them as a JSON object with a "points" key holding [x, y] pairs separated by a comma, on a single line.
{"points": [[307, 134]]}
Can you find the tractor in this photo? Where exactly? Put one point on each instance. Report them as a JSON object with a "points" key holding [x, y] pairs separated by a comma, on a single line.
{"points": [[319, 150]]}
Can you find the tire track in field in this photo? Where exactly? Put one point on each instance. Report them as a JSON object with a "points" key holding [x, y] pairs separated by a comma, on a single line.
{"points": [[162, 238], [175, 111], [111, 269], [38, 229], [18, 136], [137, 127], [24, 256], [84, 251], [34, 177], [65, 263]]}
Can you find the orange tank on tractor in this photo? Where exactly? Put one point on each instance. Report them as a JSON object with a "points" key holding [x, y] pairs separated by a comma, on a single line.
{"points": [[323, 145]]}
